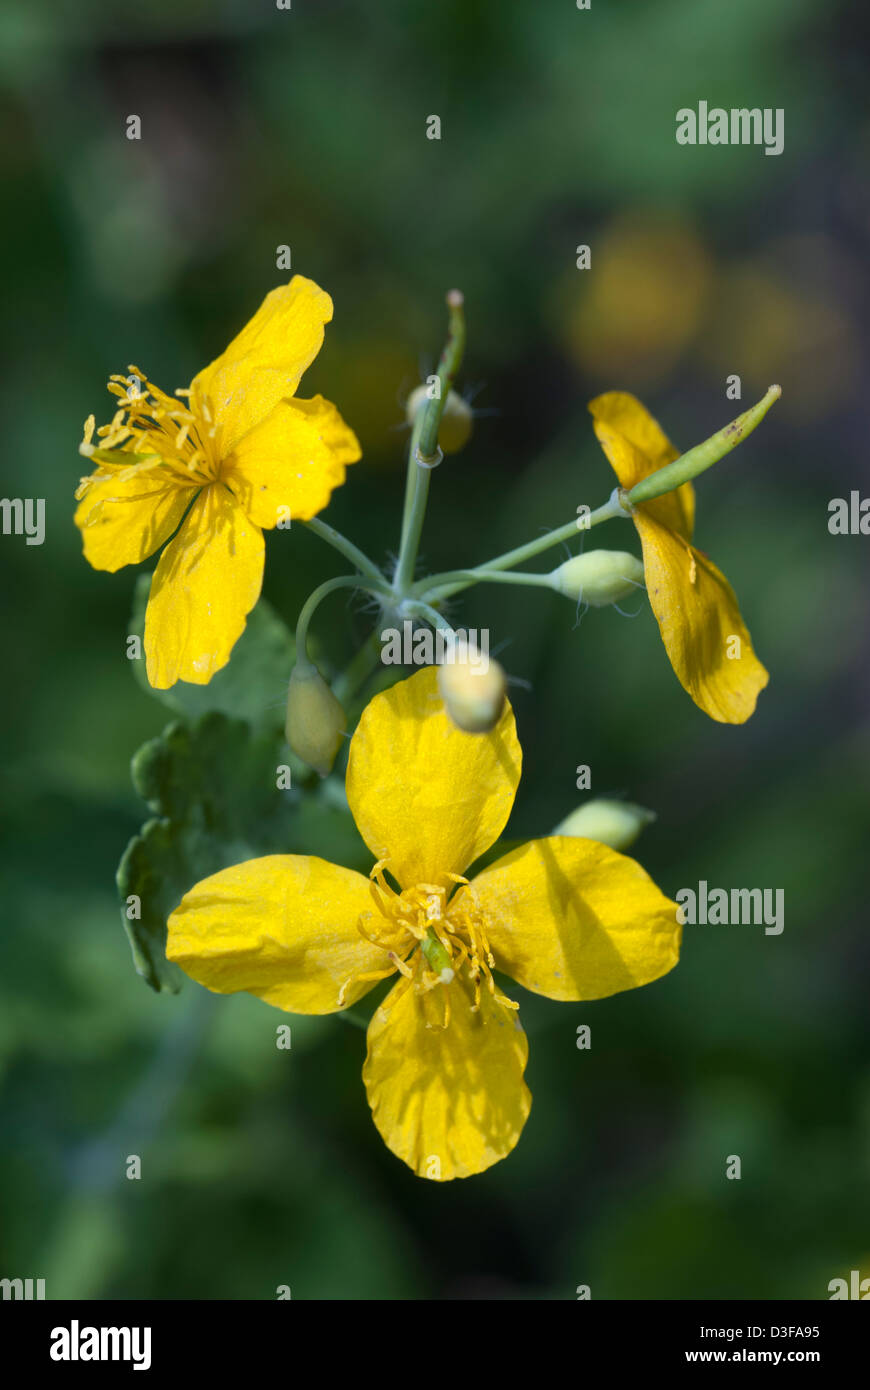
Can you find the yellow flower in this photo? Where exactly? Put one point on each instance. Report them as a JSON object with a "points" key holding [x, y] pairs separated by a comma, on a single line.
{"points": [[237, 456], [566, 917], [704, 635]]}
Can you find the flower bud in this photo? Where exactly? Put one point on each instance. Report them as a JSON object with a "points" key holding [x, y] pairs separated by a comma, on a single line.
{"points": [[454, 430], [315, 719], [613, 823], [599, 577], [473, 689]]}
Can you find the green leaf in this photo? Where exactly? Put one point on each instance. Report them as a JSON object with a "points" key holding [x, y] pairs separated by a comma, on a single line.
{"points": [[213, 788], [253, 685]]}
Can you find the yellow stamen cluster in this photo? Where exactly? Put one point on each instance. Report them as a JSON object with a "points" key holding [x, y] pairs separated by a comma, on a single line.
{"points": [[451, 941], [162, 433]]}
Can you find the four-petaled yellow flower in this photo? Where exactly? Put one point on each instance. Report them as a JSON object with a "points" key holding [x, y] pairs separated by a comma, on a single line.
{"points": [[237, 456], [567, 918], [704, 635]]}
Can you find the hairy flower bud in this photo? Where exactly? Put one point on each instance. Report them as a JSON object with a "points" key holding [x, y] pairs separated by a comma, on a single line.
{"points": [[315, 719], [454, 430], [473, 690], [613, 823], [599, 577]]}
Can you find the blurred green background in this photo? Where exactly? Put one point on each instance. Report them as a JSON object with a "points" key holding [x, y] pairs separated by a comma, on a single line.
{"points": [[307, 127]]}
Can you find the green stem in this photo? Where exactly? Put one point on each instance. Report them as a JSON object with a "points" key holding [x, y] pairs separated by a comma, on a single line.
{"points": [[423, 451], [419, 496], [343, 581], [348, 549], [411, 477], [703, 456], [358, 669], [419, 609], [455, 580], [448, 366]]}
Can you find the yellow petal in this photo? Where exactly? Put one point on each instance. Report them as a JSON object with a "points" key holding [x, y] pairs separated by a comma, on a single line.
{"points": [[426, 796], [264, 363], [206, 583], [287, 466], [636, 445], [124, 522], [704, 635], [283, 928], [572, 919], [450, 1101]]}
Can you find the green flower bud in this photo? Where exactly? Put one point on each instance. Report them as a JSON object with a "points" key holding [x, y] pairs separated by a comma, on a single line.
{"points": [[315, 719], [454, 430], [599, 577], [613, 823], [473, 691]]}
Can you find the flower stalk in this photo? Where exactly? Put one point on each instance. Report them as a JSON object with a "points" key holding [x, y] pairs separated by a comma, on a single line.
{"points": [[423, 451]]}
